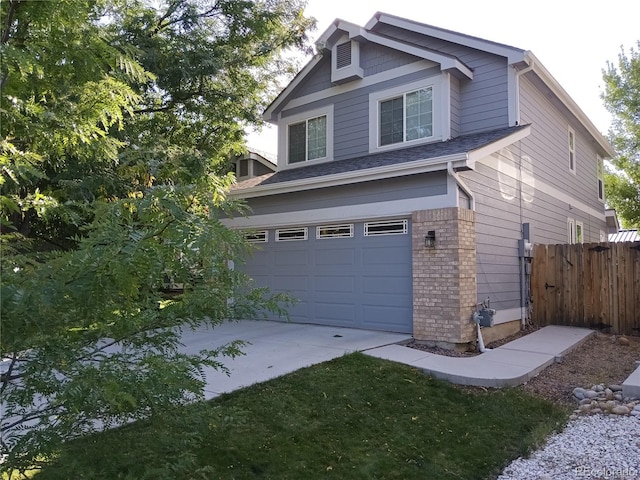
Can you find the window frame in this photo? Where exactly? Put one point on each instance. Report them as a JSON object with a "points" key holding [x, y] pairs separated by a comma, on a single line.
{"points": [[343, 226], [571, 145], [579, 236], [438, 111], [256, 236], [571, 231], [284, 125], [279, 231], [600, 177], [404, 230]]}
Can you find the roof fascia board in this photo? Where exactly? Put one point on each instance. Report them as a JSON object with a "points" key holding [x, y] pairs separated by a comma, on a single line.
{"points": [[514, 55], [332, 34], [573, 107]]}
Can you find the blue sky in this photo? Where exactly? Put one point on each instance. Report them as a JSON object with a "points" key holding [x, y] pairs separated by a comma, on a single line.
{"points": [[573, 39]]}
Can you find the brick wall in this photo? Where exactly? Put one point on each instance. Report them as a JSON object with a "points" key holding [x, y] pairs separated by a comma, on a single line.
{"points": [[444, 276]]}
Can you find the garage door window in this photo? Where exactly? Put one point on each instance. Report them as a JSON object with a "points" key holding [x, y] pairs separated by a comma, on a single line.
{"points": [[291, 234], [388, 227], [260, 236], [334, 231]]}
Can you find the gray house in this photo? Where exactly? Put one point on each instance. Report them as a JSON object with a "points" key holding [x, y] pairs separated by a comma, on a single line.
{"points": [[415, 166]]}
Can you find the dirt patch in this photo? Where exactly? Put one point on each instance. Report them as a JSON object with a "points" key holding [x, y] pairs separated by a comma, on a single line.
{"points": [[599, 359]]}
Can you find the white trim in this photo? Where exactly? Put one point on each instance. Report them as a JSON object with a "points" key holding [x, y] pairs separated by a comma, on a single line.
{"points": [[403, 230], [480, 153], [492, 162], [358, 84], [375, 98], [365, 211], [304, 230], [571, 231], [283, 136]]}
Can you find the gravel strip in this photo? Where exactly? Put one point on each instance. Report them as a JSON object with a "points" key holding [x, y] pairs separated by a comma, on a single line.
{"points": [[591, 447]]}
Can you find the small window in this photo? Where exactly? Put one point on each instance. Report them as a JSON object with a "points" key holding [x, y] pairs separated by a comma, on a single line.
{"points": [[600, 173], [260, 236], [603, 236], [579, 232], [291, 234], [308, 140], [334, 231], [572, 150], [571, 230], [389, 227]]}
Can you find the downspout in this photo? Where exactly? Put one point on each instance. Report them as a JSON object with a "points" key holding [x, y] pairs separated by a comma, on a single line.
{"points": [[518, 73], [523, 314], [462, 185]]}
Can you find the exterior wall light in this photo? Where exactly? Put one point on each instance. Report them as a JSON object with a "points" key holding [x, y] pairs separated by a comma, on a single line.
{"points": [[430, 239]]}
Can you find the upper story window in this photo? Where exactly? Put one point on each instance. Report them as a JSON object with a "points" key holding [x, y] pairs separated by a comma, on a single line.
{"points": [[308, 140], [600, 174], [404, 115], [307, 137], [572, 150]]}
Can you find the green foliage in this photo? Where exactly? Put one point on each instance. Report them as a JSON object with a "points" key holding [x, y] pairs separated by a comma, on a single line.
{"points": [[355, 417], [117, 118], [622, 99]]}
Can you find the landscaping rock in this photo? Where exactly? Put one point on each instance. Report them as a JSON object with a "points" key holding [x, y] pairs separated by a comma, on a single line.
{"points": [[616, 388], [620, 410]]}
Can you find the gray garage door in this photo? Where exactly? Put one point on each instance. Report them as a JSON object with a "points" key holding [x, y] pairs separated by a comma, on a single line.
{"points": [[349, 274]]}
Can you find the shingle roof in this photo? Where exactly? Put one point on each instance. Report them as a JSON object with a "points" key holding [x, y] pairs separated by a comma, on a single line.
{"points": [[458, 145]]}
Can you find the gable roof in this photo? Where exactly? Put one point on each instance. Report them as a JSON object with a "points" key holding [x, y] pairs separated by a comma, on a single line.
{"points": [[462, 152], [522, 60]]}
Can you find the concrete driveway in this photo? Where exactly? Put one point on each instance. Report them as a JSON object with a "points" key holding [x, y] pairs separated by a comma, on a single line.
{"points": [[277, 348]]}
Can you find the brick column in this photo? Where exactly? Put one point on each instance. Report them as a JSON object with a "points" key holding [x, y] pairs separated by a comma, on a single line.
{"points": [[444, 277]]}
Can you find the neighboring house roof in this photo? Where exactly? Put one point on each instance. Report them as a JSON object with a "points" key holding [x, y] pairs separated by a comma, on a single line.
{"points": [[625, 236], [611, 217], [461, 151]]}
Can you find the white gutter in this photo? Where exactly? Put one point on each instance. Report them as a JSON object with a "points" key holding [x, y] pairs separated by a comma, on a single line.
{"points": [[462, 185]]}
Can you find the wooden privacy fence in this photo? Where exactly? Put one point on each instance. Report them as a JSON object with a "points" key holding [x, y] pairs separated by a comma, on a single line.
{"points": [[594, 285]]}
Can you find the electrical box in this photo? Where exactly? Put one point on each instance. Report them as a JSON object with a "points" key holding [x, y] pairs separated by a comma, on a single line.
{"points": [[486, 317]]}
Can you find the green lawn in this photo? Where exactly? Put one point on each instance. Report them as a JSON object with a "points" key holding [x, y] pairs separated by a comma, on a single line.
{"points": [[356, 417]]}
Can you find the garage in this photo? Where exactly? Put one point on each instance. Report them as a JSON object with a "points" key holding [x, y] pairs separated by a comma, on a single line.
{"points": [[355, 275]]}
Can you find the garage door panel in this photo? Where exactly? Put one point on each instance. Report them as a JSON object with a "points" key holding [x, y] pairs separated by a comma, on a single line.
{"points": [[379, 317], [335, 284], [291, 257], [335, 256], [291, 283], [385, 285], [343, 312], [384, 256]]}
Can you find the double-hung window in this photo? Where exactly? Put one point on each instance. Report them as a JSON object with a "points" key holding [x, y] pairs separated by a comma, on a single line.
{"points": [[406, 117], [308, 139]]}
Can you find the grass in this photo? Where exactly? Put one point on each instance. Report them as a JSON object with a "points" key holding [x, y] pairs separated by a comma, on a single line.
{"points": [[355, 417]]}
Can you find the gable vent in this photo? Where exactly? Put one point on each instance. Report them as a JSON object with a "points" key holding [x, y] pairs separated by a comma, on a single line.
{"points": [[343, 55]]}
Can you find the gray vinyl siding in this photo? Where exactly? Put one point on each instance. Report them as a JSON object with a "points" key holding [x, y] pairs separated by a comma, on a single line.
{"points": [[318, 80], [455, 107], [484, 99], [377, 58], [351, 114], [548, 147], [414, 186]]}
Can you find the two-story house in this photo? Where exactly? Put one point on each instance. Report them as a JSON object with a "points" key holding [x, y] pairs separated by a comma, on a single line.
{"points": [[414, 167]]}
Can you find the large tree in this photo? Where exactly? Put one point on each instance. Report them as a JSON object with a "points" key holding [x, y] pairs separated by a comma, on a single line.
{"points": [[117, 118], [622, 98]]}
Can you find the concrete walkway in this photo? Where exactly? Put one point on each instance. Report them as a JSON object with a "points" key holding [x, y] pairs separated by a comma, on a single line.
{"points": [[511, 364]]}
